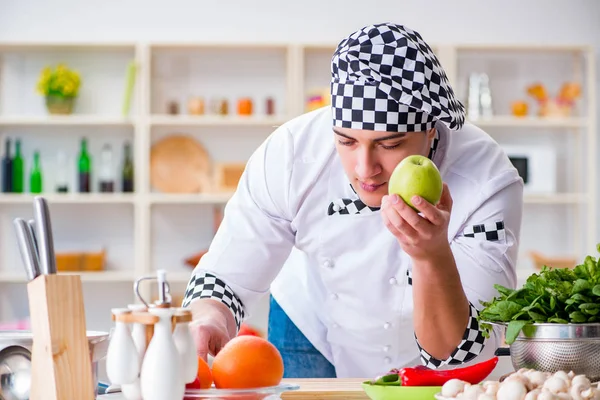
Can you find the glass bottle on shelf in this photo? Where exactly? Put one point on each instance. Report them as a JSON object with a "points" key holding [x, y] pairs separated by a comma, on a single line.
{"points": [[62, 173], [7, 169], [17, 169], [35, 178], [127, 173], [84, 167], [105, 173]]}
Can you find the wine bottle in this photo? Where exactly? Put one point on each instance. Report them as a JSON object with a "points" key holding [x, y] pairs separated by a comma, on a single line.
{"points": [[84, 168], [127, 174], [17, 169], [62, 173], [7, 169], [35, 178], [106, 172]]}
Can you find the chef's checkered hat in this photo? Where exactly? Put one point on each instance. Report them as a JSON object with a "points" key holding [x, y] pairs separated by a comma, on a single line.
{"points": [[386, 78]]}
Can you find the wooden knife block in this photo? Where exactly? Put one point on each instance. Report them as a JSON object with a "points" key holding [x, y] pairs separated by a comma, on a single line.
{"points": [[60, 355]]}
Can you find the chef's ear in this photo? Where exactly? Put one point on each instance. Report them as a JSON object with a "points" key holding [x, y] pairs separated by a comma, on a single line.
{"points": [[430, 135]]}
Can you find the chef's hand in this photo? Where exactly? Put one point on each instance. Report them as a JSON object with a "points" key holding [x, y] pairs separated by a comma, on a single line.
{"points": [[419, 236], [212, 326]]}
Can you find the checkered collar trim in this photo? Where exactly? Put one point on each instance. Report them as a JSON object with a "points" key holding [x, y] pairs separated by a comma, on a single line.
{"points": [[346, 206], [385, 77]]}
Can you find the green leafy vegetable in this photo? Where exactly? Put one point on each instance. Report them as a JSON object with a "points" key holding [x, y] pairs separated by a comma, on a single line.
{"points": [[554, 295]]}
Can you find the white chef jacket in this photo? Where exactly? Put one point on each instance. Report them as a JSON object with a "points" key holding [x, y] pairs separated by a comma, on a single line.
{"points": [[343, 278]]}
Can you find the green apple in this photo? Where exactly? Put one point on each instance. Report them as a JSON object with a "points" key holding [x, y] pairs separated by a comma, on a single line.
{"points": [[416, 175]]}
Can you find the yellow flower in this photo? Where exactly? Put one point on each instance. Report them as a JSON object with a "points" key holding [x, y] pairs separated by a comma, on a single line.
{"points": [[60, 81]]}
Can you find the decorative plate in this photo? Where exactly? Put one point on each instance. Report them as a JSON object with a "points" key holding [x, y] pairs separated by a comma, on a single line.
{"points": [[180, 164]]}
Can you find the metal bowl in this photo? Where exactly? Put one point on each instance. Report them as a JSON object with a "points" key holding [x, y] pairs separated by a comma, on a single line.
{"points": [[15, 361], [551, 347]]}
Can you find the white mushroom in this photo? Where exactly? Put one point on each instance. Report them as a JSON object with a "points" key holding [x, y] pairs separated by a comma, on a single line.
{"points": [[491, 387], [579, 385], [564, 396], [590, 393], [556, 384], [537, 378], [533, 395], [547, 395], [563, 375], [486, 396], [453, 387], [512, 389], [520, 378], [582, 381], [472, 392]]}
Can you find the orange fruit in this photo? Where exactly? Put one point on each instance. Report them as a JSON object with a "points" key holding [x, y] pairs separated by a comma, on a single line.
{"points": [[204, 374], [247, 362]]}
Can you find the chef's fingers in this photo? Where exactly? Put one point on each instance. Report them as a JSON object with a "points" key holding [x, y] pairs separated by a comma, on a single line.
{"points": [[397, 234], [432, 213], [395, 220], [445, 202], [201, 335], [409, 215]]}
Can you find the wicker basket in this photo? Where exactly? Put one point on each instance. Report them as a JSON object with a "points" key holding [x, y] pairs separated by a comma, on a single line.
{"points": [[539, 261], [80, 261]]}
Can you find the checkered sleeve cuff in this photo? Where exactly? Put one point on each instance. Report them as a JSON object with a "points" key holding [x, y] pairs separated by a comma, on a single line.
{"points": [[470, 347], [492, 231], [207, 286]]}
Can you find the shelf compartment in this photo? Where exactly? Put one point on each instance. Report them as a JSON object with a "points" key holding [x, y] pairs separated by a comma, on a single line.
{"points": [[211, 72], [68, 120], [103, 276], [556, 198], [507, 121], [102, 68], [215, 120], [200, 198], [69, 198]]}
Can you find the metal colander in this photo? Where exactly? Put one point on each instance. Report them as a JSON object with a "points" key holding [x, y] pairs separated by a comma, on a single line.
{"points": [[551, 347]]}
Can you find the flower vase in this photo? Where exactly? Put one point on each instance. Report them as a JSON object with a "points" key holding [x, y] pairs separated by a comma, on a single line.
{"points": [[60, 105]]}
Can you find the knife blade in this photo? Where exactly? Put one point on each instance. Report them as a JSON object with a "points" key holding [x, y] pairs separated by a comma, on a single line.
{"points": [[45, 239], [26, 248], [31, 225]]}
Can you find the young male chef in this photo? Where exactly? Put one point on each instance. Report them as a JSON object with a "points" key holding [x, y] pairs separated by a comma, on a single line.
{"points": [[360, 282]]}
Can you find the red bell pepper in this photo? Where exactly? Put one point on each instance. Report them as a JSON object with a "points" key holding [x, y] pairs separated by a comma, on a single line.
{"points": [[423, 376]]}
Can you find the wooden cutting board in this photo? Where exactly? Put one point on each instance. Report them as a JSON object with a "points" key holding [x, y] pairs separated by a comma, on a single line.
{"points": [[326, 389]]}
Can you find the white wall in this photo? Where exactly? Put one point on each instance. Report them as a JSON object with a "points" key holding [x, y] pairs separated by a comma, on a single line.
{"points": [[544, 21]]}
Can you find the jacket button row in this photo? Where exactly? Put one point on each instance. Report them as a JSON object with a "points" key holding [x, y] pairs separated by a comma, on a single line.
{"points": [[393, 281], [328, 264]]}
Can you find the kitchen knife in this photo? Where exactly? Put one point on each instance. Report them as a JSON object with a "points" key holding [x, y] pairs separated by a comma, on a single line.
{"points": [[45, 239], [26, 248], [31, 225]]}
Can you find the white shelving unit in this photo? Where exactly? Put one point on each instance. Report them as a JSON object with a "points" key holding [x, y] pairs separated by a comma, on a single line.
{"points": [[147, 230]]}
